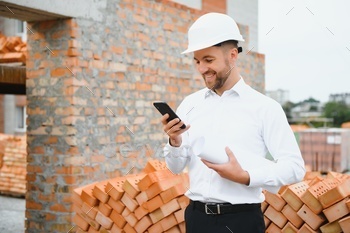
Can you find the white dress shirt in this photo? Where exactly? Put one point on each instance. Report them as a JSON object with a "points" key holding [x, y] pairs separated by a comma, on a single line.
{"points": [[251, 125]]}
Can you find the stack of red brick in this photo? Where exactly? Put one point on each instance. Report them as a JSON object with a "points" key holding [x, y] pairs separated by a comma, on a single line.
{"points": [[151, 201], [12, 49], [320, 204], [13, 160]]}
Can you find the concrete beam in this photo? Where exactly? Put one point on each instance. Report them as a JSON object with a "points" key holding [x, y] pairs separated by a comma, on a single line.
{"points": [[40, 10]]}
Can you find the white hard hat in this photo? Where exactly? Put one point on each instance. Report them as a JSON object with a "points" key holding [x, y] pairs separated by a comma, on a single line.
{"points": [[211, 29]]}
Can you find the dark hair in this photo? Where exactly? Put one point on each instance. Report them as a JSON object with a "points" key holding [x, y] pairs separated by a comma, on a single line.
{"points": [[233, 43]]}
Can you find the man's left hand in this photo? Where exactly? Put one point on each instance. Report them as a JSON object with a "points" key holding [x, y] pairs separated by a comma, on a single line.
{"points": [[231, 170]]}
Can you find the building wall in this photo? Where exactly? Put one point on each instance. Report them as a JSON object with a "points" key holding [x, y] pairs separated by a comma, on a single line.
{"points": [[246, 13], [90, 90]]}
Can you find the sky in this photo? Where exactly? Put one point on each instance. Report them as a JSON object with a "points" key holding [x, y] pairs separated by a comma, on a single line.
{"points": [[307, 47]]}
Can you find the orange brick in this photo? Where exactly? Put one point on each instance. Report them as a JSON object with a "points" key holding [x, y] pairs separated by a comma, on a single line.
{"points": [[293, 193], [131, 219], [87, 195], [173, 192], [162, 185], [114, 188], [168, 222], [106, 222], [153, 177], [140, 212], [267, 221], [335, 194], [99, 191], [310, 197], [143, 224], [118, 219], [345, 224], [154, 165], [116, 229], [272, 228], [116, 205], [105, 209], [129, 229], [174, 229], [337, 211], [306, 229], [153, 204], [182, 227], [155, 228], [264, 206], [90, 211], [129, 202], [292, 216], [274, 200], [141, 197], [276, 217], [80, 222], [289, 228], [183, 201], [180, 215], [332, 227], [93, 224], [312, 219], [130, 185]]}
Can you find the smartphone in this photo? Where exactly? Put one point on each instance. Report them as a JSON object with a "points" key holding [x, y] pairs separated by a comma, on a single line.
{"points": [[164, 108]]}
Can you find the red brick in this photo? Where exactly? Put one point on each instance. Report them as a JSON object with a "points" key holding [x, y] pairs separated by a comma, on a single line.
{"points": [[313, 220], [129, 229], [168, 222], [116, 205], [292, 216], [345, 224], [118, 219], [99, 191], [130, 185], [337, 211], [106, 222], [293, 193], [335, 194], [332, 227], [306, 229], [153, 204], [276, 217], [289, 228], [80, 222], [272, 228], [129, 202], [105, 209], [274, 200]]}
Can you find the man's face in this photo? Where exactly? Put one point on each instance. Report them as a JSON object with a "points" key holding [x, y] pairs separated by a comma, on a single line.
{"points": [[214, 67]]}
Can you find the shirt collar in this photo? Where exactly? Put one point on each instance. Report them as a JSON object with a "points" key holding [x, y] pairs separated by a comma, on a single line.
{"points": [[238, 88]]}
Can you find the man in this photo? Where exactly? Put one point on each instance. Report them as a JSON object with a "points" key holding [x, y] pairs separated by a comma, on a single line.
{"points": [[228, 117]]}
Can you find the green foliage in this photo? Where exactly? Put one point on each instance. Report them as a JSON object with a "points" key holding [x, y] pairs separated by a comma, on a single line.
{"points": [[339, 111]]}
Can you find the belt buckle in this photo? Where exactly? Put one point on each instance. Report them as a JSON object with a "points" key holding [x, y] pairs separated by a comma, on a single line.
{"points": [[209, 211]]}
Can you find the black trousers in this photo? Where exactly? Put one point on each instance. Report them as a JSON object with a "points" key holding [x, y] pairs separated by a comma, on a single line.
{"points": [[250, 221]]}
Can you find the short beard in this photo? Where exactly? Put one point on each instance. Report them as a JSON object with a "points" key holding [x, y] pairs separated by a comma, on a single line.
{"points": [[221, 77]]}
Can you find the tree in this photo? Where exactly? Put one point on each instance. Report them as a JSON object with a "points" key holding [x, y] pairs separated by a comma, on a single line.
{"points": [[339, 111], [287, 107]]}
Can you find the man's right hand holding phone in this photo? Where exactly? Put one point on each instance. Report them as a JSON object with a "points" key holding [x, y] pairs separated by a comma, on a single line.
{"points": [[172, 128]]}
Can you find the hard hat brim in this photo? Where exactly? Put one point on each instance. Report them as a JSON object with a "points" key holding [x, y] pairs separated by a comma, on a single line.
{"points": [[208, 44]]}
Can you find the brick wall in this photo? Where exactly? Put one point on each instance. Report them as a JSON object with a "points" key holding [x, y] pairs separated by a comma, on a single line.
{"points": [[90, 90]]}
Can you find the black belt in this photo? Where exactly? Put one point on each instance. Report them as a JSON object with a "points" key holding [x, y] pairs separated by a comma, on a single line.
{"points": [[223, 208]]}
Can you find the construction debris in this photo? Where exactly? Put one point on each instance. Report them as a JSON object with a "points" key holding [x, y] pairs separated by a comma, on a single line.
{"points": [[12, 49], [13, 162]]}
